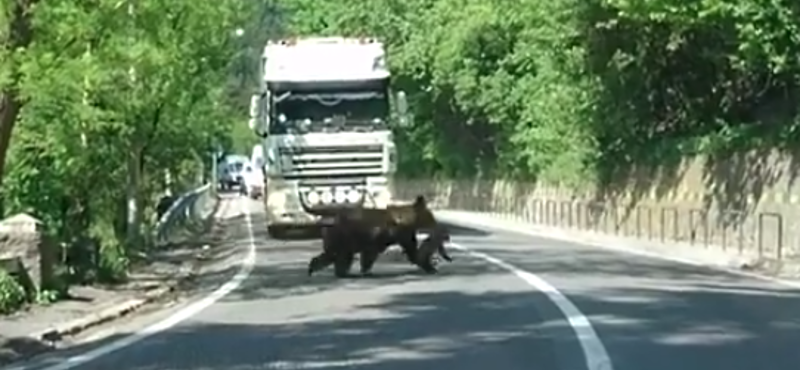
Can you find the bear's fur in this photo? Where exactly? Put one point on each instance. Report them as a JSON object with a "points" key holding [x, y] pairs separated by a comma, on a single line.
{"points": [[369, 232]]}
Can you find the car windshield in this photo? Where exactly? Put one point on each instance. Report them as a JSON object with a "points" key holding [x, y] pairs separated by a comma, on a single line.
{"points": [[348, 112]]}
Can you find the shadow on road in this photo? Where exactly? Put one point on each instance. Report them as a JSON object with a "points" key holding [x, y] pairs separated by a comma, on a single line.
{"points": [[645, 308], [650, 314], [296, 234], [475, 330], [701, 321], [415, 331], [281, 271]]}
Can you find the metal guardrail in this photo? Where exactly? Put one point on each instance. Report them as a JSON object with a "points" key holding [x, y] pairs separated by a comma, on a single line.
{"points": [[761, 233], [186, 216]]}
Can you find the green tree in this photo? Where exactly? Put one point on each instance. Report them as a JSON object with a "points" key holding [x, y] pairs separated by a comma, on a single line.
{"points": [[103, 98], [568, 90]]}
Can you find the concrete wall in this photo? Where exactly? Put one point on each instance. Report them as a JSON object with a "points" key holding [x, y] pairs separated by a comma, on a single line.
{"points": [[743, 203]]}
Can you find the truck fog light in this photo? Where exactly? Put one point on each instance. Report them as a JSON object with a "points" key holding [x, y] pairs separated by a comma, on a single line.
{"points": [[313, 197], [353, 196], [381, 198], [341, 196], [327, 197]]}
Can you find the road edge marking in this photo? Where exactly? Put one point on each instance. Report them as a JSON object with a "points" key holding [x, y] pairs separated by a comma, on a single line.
{"points": [[594, 350], [247, 264]]}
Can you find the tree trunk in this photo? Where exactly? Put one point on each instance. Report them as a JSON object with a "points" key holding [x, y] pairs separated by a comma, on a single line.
{"points": [[133, 199]]}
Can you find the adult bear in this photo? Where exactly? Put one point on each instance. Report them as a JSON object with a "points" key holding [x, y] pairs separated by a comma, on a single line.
{"points": [[369, 232]]}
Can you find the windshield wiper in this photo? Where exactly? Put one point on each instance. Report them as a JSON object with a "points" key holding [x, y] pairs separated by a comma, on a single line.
{"points": [[283, 97]]}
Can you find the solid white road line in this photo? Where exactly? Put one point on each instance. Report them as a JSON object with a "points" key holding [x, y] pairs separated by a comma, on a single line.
{"points": [[175, 319], [593, 349]]}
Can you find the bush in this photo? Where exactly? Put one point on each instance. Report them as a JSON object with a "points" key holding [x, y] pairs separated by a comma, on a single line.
{"points": [[12, 294], [113, 264]]}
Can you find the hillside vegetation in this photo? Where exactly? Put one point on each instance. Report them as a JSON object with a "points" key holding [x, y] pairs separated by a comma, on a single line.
{"points": [[571, 90]]}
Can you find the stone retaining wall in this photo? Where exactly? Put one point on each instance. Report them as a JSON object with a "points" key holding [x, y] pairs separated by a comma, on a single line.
{"points": [[765, 228]]}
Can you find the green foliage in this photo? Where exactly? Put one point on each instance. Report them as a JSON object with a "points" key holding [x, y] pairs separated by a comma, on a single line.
{"points": [[12, 294], [46, 297], [565, 90], [113, 95], [113, 264], [242, 140]]}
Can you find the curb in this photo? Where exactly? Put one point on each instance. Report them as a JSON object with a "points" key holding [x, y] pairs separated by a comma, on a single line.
{"points": [[70, 328], [76, 326]]}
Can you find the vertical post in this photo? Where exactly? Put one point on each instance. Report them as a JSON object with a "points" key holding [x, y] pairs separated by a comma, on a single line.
{"points": [[214, 179], [168, 182], [243, 69], [242, 54], [85, 98], [132, 69]]}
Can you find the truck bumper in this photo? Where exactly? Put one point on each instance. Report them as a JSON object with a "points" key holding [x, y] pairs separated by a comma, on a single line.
{"points": [[255, 191], [283, 206]]}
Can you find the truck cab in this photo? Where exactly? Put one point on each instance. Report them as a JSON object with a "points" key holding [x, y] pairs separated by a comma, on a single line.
{"points": [[325, 112]]}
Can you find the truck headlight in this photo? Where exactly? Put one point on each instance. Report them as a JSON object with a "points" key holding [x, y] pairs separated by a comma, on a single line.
{"points": [[271, 165], [286, 163]]}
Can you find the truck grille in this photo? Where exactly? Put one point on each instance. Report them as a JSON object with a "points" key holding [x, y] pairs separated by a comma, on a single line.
{"points": [[333, 161]]}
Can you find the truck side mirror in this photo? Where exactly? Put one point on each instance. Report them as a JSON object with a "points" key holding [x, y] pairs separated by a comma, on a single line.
{"points": [[264, 132], [259, 115], [255, 100], [402, 109], [267, 103]]}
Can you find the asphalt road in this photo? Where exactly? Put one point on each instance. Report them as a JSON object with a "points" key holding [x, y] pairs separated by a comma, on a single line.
{"points": [[649, 314]]}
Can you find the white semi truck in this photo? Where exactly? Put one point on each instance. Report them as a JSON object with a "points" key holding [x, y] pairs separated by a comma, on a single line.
{"points": [[324, 111]]}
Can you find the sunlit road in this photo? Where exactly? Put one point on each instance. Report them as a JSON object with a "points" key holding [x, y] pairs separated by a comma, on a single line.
{"points": [[649, 315]]}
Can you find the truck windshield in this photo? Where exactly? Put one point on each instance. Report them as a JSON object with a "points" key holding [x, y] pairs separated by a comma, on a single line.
{"points": [[331, 112]]}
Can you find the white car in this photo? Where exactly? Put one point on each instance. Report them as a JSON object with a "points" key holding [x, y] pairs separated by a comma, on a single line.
{"points": [[232, 174], [253, 179]]}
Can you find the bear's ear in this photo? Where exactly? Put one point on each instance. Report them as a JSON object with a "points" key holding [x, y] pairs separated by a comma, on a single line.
{"points": [[420, 202]]}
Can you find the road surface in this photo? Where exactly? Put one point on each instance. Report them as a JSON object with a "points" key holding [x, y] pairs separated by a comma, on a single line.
{"points": [[648, 314]]}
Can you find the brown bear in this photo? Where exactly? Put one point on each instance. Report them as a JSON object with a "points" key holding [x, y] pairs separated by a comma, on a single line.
{"points": [[369, 232]]}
